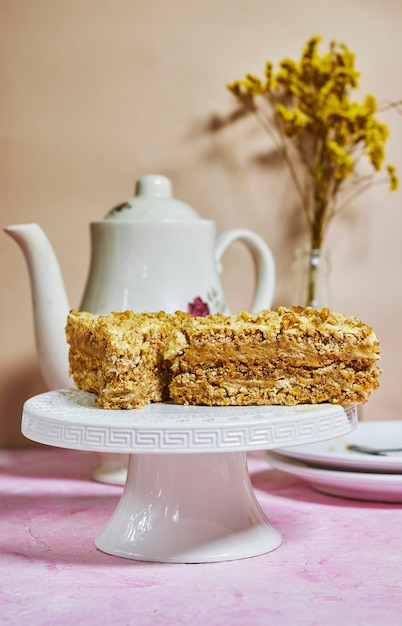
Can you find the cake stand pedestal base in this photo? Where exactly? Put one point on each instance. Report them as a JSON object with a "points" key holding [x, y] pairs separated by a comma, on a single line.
{"points": [[188, 508], [188, 496]]}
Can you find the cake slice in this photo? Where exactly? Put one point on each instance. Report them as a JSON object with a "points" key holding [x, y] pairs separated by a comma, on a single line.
{"points": [[288, 356], [121, 356]]}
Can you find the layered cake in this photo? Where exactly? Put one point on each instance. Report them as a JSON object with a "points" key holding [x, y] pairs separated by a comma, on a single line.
{"points": [[122, 357], [287, 356]]}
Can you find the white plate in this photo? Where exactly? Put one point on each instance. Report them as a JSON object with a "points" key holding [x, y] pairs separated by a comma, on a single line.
{"points": [[335, 453], [356, 485]]}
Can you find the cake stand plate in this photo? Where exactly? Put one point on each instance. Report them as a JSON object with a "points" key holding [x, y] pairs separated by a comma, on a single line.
{"points": [[188, 496]]}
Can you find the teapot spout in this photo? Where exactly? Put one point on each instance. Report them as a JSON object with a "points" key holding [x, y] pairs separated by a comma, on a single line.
{"points": [[50, 303]]}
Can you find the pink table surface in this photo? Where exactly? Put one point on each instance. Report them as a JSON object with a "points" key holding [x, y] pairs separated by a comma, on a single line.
{"points": [[340, 562]]}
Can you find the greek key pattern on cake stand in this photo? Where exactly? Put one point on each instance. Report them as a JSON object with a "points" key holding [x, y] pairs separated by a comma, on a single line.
{"points": [[70, 418]]}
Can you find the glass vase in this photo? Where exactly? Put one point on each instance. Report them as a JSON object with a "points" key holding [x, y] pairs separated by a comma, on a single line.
{"points": [[310, 279]]}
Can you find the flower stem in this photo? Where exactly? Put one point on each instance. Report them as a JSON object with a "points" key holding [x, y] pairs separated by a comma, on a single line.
{"points": [[313, 277]]}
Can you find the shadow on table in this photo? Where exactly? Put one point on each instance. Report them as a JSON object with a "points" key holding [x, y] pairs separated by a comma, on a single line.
{"points": [[56, 529], [50, 463]]}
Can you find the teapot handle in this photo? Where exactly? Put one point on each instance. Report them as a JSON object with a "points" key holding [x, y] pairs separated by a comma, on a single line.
{"points": [[263, 261]]}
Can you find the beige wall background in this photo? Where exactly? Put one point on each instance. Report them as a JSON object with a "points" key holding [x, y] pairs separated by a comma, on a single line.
{"points": [[96, 93]]}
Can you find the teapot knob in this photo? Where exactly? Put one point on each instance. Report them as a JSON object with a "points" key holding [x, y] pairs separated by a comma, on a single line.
{"points": [[154, 186]]}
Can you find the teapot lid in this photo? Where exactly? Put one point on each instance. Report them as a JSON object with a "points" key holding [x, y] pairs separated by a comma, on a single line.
{"points": [[153, 202]]}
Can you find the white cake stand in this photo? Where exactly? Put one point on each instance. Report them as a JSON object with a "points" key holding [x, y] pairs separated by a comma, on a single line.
{"points": [[188, 496]]}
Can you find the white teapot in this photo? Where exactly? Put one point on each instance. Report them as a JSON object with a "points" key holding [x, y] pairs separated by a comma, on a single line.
{"points": [[151, 253]]}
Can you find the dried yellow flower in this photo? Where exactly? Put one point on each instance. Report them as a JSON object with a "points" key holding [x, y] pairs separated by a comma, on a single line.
{"points": [[393, 179], [321, 132]]}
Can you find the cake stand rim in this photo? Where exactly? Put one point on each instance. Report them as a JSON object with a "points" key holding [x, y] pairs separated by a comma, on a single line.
{"points": [[56, 418]]}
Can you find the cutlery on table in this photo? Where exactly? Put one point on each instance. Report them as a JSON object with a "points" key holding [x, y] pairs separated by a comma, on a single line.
{"points": [[375, 451]]}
